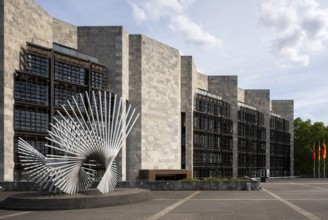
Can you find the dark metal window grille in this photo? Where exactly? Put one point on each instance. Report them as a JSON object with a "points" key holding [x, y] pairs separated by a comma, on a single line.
{"points": [[30, 89], [65, 92], [227, 143], [211, 124], [200, 173], [212, 136], [37, 65], [98, 80], [261, 147], [31, 119], [69, 73], [261, 133], [199, 158], [227, 172], [242, 160], [227, 126], [261, 161], [242, 172], [279, 147], [200, 140], [242, 145], [227, 159]]}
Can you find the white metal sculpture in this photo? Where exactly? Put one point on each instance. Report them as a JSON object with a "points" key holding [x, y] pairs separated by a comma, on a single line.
{"points": [[95, 130]]}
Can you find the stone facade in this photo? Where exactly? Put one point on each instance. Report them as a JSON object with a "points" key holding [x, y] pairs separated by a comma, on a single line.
{"points": [[202, 81], [135, 60], [159, 82], [64, 33], [159, 102], [2, 87]]}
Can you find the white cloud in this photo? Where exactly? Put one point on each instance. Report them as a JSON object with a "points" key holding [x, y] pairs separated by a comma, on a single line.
{"points": [[174, 11], [154, 10], [194, 33], [299, 27]]}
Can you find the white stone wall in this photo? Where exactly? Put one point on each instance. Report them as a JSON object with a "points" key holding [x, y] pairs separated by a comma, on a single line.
{"points": [[202, 81], [160, 106], [22, 21], [64, 33], [241, 95], [154, 89]]}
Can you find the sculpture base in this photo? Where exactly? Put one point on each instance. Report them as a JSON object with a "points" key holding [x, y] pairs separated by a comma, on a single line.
{"points": [[61, 201]]}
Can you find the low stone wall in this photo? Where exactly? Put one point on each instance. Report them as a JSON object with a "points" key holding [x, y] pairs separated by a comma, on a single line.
{"points": [[191, 185], [154, 185]]}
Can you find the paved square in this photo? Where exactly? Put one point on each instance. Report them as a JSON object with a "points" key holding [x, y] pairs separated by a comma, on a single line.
{"points": [[278, 199]]}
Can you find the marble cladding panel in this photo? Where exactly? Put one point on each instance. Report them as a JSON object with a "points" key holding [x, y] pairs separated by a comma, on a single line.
{"points": [[1, 89], [161, 107], [64, 33], [241, 95], [202, 81], [260, 99]]}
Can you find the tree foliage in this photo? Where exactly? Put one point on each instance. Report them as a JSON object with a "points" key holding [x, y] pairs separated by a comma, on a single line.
{"points": [[307, 133]]}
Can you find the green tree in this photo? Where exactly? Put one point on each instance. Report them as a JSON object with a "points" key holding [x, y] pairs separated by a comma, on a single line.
{"points": [[306, 134]]}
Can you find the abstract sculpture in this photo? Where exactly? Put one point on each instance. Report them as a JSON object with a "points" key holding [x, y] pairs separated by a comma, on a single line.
{"points": [[95, 130]]}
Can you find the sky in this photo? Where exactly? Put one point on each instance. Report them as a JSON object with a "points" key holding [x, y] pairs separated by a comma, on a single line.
{"points": [[281, 45]]}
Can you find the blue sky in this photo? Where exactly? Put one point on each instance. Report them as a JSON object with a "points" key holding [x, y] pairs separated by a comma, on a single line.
{"points": [[279, 45]]}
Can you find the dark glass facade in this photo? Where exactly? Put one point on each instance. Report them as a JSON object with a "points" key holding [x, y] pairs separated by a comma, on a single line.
{"points": [[279, 147], [49, 79], [251, 142], [212, 148]]}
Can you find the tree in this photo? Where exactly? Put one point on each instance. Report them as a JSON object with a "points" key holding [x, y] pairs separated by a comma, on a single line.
{"points": [[305, 134]]}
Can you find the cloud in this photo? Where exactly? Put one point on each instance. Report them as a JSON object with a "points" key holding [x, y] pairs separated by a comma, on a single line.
{"points": [[194, 33], [174, 13], [153, 11], [299, 28]]}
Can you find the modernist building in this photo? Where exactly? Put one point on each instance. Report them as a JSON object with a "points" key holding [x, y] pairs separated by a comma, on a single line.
{"points": [[190, 123]]}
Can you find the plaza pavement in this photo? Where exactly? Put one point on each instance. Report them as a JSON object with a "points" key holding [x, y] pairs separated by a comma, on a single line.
{"points": [[278, 199]]}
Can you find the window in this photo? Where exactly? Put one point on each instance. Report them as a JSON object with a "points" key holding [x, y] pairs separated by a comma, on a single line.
{"points": [[31, 89], [65, 92], [31, 119], [212, 137], [37, 65], [98, 80], [69, 73]]}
